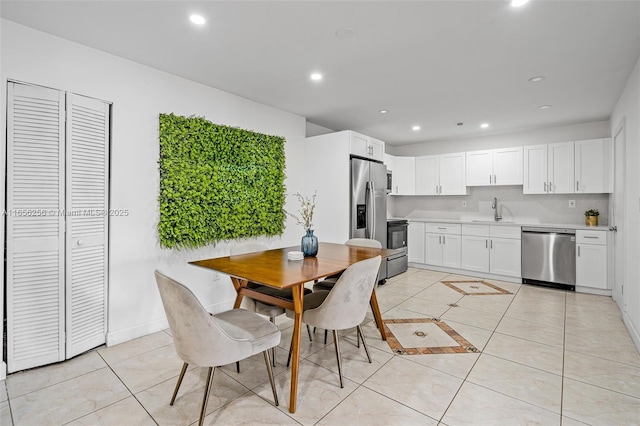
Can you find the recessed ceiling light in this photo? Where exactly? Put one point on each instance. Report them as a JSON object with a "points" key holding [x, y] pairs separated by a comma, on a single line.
{"points": [[345, 33], [415, 128], [544, 107], [484, 125], [383, 111], [316, 76], [518, 3], [537, 79], [197, 19]]}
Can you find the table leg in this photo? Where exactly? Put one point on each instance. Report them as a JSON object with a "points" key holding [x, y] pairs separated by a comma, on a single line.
{"points": [[377, 315], [298, 298], [238, 284]]}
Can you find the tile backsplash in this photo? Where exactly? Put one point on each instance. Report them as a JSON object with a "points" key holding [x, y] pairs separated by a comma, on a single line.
{"points": [[513, 205]]}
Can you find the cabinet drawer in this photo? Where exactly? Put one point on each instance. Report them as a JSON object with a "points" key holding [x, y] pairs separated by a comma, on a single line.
{"points": [[476, 230], [591, 237], [513, 232], [444, 228]]}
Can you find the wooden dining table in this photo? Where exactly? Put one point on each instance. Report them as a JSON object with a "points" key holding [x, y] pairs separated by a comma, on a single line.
{"points": [[273, 269]]}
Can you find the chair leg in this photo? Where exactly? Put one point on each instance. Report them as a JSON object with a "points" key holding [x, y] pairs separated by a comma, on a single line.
{"points": [[358, 340], [335, 343], [175, 392], [238, 367], [325, 337], [309, 332], [364, 342], [207, 391], [273, 349], [270, 372]]}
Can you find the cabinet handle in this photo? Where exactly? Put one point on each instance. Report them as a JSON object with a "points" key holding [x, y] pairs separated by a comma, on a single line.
{"points": [[490, 180], [495, 180], [545, 187], [578, 251], [396, 189], [590, 237], [577, 185], [439, 239], [550, 187], [443, 240], [486, 243]]}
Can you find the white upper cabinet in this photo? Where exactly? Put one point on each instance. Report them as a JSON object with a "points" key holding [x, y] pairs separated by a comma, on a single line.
{"points": [[365, 146], [427, 175], [440, 174], [403, 177], [494, 167], [389, 161], [452, 174], [549, 169], [592, 171], [507, 166]]}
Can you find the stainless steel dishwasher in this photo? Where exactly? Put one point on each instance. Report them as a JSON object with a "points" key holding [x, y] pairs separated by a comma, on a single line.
{"points": [[549, 257]]}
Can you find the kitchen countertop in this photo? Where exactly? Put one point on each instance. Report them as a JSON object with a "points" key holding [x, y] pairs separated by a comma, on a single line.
{"points": [[488, 221]]}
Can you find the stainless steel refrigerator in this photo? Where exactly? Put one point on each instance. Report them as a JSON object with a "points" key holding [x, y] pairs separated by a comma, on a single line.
{"points": [[369, 200]]}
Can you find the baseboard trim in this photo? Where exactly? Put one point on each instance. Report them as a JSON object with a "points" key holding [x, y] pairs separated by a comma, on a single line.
{"points": [[121, 336], [466, 273], [633, 332]]}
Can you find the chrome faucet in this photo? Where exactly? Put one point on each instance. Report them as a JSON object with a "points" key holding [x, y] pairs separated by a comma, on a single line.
{"points": [[494, 206]]}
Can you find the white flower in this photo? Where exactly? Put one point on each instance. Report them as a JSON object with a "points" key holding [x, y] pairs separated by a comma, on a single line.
{"points": [[307, 205]]}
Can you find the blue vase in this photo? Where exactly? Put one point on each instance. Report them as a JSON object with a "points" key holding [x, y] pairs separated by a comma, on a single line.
{"points": [[309, 245]]}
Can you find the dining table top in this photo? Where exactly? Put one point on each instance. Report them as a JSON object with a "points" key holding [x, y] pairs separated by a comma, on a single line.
{"points": [[273, 268]]}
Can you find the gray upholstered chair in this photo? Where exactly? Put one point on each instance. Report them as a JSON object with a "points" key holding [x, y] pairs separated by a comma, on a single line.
{"points": [[329, 282], [345, 305], [256, 306], [213, 340]]}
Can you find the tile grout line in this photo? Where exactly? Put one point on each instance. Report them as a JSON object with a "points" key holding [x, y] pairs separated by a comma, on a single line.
{"points": [[478, 359], [129, 390]]}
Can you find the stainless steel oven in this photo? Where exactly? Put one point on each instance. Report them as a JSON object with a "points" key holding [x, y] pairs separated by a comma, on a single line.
{"points": [[397, 231]]}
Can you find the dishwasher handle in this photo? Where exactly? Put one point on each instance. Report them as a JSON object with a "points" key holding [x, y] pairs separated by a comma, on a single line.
{"points": [[544, 230]]}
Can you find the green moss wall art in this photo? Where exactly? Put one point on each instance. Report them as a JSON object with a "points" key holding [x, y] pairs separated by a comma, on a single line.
{"points": [[218, 183]]}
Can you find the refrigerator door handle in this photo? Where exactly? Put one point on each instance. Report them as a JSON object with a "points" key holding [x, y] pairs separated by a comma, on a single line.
{"points": [[372, 194]]}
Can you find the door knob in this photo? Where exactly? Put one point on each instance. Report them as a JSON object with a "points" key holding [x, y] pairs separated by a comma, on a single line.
{"points": [[79, 242], [613, 228]]}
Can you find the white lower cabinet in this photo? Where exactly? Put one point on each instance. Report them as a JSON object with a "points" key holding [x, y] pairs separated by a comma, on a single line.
{"points": [[492, 249], [416, 243], [443, 244], [591, 259]]}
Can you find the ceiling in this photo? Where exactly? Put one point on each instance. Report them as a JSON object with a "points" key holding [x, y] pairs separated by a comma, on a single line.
{"points": [[429, 63]]}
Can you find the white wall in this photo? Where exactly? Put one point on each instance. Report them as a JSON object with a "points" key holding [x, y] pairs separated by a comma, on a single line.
{"points": [[627, 111], [139, 94]]}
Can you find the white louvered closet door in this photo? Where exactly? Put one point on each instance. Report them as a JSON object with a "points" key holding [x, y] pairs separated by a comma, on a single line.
{"points": [[87, 222], [35, 231]]}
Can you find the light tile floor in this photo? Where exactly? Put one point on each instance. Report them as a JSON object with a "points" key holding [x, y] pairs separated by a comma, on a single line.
{"points": [[546, 357]]}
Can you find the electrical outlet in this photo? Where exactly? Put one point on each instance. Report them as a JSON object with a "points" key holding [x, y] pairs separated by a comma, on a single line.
{"points": [[464, 204], [572, 204]]}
